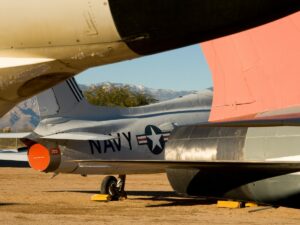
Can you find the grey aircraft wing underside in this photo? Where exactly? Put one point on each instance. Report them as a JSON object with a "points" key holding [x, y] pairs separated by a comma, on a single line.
{"points": [[101, 32], [272, 168]]}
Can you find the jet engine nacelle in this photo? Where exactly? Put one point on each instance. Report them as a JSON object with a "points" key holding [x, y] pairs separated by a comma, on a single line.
{"points": [[207, 143], [198, 143]]}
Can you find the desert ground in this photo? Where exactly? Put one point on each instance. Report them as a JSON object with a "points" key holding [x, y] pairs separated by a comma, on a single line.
{"points": [[29, 197]]}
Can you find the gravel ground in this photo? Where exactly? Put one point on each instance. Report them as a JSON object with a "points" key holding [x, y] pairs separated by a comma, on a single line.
{"points": [[29, 197]]}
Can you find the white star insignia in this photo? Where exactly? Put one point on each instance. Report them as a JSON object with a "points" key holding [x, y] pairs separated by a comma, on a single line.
{"points": [[155, 138]]}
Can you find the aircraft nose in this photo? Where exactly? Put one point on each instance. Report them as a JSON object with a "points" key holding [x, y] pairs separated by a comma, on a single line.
{"points": [[151, 26]]}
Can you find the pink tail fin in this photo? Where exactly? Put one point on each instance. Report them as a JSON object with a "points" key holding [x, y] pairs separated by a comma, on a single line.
{"points": [[256, 70]]}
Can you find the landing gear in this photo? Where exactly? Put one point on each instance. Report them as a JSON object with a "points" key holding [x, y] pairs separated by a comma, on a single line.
{"points": [[114, 187]]}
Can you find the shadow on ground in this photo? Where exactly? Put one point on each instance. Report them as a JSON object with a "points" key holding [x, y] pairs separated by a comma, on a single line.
{"points": [[176, 200], [163, 198], [132, 193], [10, 204]]}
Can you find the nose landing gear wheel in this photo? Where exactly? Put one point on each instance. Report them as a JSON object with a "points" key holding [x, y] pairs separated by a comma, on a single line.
{"points": [[113, 187]]}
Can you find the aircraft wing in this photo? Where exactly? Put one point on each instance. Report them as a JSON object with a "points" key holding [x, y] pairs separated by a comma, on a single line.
{"points": [[12, 158], [79, 136], [14, 135], [25, 77], [30, 64], [259, 168]]}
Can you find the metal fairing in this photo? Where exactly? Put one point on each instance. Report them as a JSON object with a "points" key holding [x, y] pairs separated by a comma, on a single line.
{"points": [[242, 144]]}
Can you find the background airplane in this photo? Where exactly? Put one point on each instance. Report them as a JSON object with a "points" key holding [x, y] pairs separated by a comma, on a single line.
{"points": [[72, 129], [45, 42]]}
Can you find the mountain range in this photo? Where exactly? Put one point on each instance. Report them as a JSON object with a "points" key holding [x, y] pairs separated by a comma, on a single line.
{"points": [[25, 116]]}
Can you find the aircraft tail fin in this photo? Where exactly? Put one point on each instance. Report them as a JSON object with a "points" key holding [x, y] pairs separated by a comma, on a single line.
{"points": [[61, 99], [255, 71]]}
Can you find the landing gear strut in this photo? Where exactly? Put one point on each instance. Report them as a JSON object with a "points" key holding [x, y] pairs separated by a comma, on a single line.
{"points": [[114, 187]]}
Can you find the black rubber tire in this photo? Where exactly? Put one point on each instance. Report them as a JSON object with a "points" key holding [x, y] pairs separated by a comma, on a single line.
{"points": [[107, 185]]}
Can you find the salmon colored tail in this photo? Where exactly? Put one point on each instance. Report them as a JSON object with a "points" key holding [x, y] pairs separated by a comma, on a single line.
{"points": [[255, 71]]}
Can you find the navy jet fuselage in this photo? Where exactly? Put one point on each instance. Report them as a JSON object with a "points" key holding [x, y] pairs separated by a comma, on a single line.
{"points": [[72, 129]]}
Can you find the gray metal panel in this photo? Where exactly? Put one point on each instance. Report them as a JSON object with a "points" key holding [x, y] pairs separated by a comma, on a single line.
{"points": [[206, 143], [272, 142]]}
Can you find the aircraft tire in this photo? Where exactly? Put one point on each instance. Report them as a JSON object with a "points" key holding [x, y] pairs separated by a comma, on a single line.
{"points": [[109, 186]]}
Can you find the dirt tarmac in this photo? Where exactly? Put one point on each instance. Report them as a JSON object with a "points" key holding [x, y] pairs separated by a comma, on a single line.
{"points": [[29, 197]]}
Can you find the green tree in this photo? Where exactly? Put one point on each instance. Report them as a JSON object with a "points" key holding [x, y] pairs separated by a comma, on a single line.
{"points": [[117, 96]]}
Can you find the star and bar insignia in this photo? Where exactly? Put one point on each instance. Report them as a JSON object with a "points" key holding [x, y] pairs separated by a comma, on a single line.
{"points": [[154, 138]]}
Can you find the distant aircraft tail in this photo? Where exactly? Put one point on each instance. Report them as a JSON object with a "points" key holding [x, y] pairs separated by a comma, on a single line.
{"points": [[61, 99]]}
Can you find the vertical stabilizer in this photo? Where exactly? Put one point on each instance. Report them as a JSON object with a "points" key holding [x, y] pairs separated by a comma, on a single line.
{"points": [[60, 99], [255, 71]]}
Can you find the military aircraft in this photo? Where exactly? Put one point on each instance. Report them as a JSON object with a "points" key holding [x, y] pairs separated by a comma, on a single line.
{"points": [[209, 159], [71, 129], [45, 42], [201, 159]]}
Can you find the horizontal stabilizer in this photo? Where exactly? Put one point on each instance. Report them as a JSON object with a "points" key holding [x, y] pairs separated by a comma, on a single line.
{"points": [[265, 169], [12, 158], [79, 136], [14, 135]]}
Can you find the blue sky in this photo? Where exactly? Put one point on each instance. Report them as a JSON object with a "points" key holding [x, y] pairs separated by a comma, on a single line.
{"points": [[181, 69]]}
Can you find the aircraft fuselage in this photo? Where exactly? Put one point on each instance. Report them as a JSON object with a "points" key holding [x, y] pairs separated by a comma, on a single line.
{"points": [[136, 136]]}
